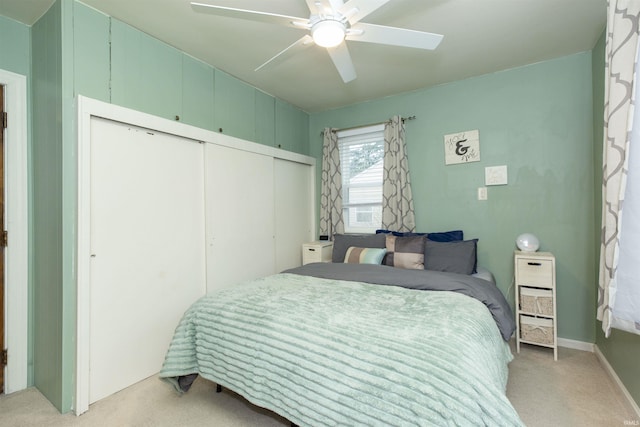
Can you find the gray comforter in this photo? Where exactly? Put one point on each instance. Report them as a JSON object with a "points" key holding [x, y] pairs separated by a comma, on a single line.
{"points": [[477, 288]]}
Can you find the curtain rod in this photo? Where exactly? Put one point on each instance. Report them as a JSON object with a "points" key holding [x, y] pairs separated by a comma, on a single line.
{"points": [[404, 119]]}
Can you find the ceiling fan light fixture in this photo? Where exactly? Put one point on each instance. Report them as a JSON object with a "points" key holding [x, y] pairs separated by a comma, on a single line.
{"points": [[328, 32]]}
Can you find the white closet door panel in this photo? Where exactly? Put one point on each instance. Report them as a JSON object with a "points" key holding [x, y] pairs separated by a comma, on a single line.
{"points": [[240, 216], [147, 245], [293, 211]]}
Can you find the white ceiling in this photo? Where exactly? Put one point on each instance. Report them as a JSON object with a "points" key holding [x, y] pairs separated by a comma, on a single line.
{"points": [[480, 37]]}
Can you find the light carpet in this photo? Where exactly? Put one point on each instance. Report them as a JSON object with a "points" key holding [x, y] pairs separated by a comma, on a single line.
{"points": [[574, 391]]}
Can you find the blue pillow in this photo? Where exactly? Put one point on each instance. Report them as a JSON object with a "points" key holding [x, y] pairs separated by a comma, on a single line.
{"points": [[443, 236]]}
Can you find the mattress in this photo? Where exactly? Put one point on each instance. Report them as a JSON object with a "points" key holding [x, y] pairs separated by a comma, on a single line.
{"points": [[484, 274]]}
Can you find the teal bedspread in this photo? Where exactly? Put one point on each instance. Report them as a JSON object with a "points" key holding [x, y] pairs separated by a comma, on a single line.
{"points": [[324, 352]]}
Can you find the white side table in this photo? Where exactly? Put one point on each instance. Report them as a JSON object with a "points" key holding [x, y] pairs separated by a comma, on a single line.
{"points": [[318, 251]]}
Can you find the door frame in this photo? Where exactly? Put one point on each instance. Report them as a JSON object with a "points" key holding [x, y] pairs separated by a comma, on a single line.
{"points": [[16, 222]]}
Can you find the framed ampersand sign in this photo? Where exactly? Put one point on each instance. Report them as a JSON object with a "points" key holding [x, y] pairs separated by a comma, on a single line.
{"points": [[462, 147]]}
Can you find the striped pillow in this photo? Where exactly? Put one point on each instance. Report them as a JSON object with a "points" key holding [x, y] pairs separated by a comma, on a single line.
{"points": [[405, 252], [357, 255]]}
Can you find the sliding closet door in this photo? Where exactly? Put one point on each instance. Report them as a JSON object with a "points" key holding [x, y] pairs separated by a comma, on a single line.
{"points": [[240, 215], [294, 203], [147, 248]]}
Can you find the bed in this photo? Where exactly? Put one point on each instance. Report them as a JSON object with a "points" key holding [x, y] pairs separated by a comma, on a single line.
{"points": [[337, 344]]}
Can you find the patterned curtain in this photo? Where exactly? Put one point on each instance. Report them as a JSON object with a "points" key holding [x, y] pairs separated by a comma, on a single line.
{"points": [[331, 193], [621, 56], [397, 201]]}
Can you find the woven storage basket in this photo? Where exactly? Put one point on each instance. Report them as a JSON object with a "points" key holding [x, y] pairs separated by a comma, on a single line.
{"points": [[536, 330], [536, 301]]}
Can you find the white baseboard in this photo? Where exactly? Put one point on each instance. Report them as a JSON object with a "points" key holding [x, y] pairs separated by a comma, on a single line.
{"points": [[576, 345], [607, 367]]}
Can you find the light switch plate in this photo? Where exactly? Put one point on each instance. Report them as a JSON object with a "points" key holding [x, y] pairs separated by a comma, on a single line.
{"points": [[495, 175], [482, 193]]}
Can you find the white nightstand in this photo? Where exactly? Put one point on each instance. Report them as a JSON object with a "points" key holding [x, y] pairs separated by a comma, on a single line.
{"points": [[535, 281], [318, 251]]}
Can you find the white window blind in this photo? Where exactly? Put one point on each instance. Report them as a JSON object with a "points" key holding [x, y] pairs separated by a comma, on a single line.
{"points": [[361, 163]]}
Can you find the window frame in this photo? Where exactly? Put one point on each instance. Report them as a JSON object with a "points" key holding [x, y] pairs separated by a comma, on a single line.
{"points": [[358, 137]]}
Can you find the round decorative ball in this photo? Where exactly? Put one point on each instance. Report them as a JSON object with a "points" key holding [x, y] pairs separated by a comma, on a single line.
{"points": [[527, 242]]}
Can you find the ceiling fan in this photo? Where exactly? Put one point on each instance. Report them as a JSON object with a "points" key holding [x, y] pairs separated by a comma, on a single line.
{"points": [[330, 23]]}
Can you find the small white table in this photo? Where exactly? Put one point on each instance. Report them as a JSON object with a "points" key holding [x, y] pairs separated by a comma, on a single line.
{"points": [[318, 251]]}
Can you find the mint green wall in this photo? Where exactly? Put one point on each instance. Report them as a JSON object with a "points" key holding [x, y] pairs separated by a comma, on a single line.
{"points": [[146, 75], [289, 133], [537, 120], [116, 63], [197, 92], [91, 53], [47, 204], [266, 122], [14, 55], [53, 209], [621, 348]]}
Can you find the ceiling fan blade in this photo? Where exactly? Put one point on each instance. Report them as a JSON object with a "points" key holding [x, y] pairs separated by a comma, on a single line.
{"points": [[342, 60], [252, 15], [357, 10], [336, 4], [296, 47], [324, 7], [394, 36], [313, 7]]}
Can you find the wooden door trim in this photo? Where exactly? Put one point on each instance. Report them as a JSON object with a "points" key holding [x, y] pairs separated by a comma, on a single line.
{"points": [[16, 222]]}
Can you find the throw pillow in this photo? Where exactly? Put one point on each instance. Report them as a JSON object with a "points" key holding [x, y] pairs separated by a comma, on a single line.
{"points": [[357, 255], [342, 242], [451, 257], [405, 252]]}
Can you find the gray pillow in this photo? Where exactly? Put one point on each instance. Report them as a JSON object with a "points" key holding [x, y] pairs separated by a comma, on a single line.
{"points": [[452, 257], [342, 242]]}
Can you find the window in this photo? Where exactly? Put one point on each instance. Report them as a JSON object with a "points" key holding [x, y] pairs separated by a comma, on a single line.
{"points": [[361, 163]]}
